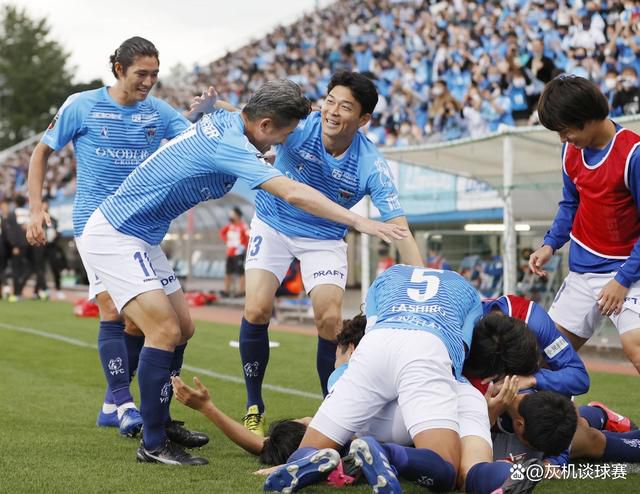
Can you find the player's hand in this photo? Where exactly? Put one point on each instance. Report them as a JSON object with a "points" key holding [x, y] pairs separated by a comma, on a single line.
{"points": [[539, 258], [35, 230], [611, 298], [524, 382], [386, 231], [499, 401], [206, 102], [193, 398]]}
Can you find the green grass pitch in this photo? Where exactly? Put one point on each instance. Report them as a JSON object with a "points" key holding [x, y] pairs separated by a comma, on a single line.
{"points": [[52, 390]]}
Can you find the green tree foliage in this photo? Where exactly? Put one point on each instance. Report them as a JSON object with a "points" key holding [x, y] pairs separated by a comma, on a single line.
{"points": [[34, 78]]}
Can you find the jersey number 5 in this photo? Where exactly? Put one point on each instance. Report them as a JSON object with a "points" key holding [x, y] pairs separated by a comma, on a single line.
{"points": [[432, 283]]}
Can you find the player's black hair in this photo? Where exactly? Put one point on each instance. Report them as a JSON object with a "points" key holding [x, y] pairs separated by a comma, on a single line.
{"points": [[280, 100], [550, 421], [352, 332], [284, 437], [362, 88], [569, 101], [237, 210], [131, 48], [503, 346]]}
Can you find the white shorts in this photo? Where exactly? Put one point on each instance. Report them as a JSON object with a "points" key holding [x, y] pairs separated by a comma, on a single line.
{"points": [[412, 367], [126, 265], [576, 309], [322, 262], [95, 285], [473, 416]]}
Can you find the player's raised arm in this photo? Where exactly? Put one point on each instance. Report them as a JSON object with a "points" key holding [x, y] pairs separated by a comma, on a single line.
{"points": [[409, 252], [314, 202], [199, 400]]}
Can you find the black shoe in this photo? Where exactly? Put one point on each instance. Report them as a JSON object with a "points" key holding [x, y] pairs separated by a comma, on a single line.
{"points": [[523, 477], [169, 454], [178, 433]]}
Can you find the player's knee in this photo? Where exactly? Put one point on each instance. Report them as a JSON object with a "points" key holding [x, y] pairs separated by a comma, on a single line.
{"points": [[258, 313], [328, 324], [166, 334]]}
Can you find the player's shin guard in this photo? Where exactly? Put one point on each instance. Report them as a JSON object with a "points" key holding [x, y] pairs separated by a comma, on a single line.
{"points": [[134, 345], [422, 466], [113, 356], [622, 447], [154, 380], [254, 352], [325, 361], [484, 478]]}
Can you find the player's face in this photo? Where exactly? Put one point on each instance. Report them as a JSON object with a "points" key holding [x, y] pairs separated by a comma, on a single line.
{"points": [[139, 78], [341, 113], [268, 134], [580, 138]]}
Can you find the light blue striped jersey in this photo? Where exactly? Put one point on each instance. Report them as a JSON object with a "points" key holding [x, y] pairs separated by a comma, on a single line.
{"points": [[360, 171], [109, 140], [437, 301], [200, 164]]}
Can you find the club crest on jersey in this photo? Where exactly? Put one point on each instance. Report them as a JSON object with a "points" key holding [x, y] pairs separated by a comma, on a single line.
{"points": [[105, 132], [344, 196], [150, 132]]}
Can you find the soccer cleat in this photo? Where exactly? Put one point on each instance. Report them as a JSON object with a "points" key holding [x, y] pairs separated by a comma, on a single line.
{"points": [[107, 419], [339, 477], [522, 480], [615, 422], [254, 421], [169, 454], [369, 455], [303, 472], [179, 434], [130, 422]]}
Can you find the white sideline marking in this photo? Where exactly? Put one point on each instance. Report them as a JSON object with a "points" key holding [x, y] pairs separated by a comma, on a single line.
{"points": [[198, 370]]}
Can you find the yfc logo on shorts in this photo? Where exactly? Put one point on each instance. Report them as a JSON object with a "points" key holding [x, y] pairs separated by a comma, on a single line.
{"points": [[115, 366], [164, 392]]}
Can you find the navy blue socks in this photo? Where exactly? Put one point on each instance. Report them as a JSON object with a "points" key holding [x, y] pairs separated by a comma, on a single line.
{"points": [[254, 353]]}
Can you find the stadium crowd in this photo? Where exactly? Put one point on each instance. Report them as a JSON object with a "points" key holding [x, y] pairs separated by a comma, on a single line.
{"points": [[444, 70]]}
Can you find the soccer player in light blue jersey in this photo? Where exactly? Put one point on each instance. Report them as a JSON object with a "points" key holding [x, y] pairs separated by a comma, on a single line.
{"points": [[113, 130], [420, 323], [120, 242], [328, 152]]}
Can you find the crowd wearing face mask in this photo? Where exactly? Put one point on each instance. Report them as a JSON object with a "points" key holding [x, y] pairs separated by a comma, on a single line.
{"points": [[444, 70]]}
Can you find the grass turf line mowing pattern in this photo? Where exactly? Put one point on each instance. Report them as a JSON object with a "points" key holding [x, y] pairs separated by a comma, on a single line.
{"points": [[52, 391]]}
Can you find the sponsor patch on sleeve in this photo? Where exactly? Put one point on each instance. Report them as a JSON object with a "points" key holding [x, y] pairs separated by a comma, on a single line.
{"points": [[556, 347]]}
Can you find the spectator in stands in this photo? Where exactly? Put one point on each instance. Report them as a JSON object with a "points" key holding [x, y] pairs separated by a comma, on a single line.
{"points": [[53, 253], [385, 261], [626, 101], [235, 235], [435, 259], [16, 244], [610, 86]]}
